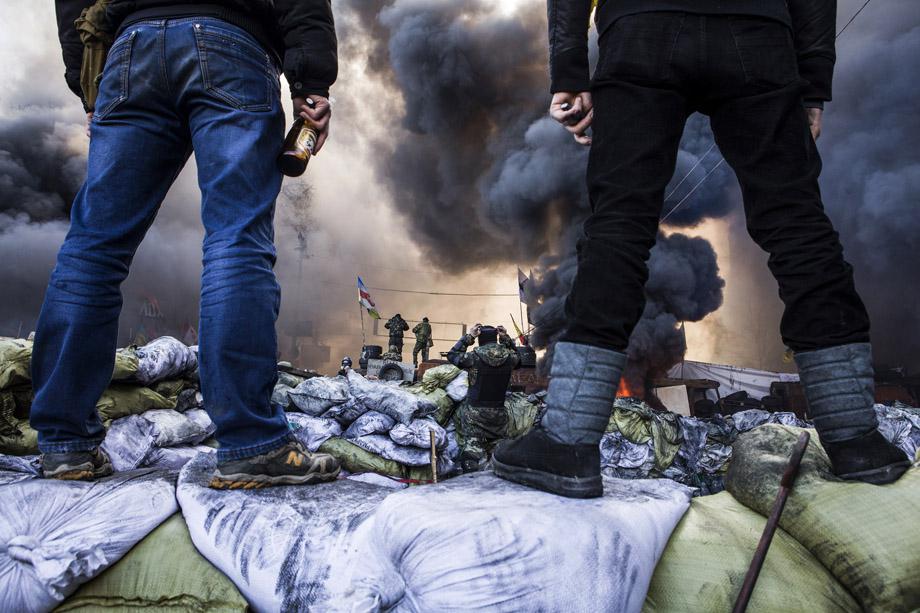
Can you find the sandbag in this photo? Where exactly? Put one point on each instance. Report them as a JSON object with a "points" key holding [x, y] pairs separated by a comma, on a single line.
{"points": [[171, 428], [459, 387], [163, 572], [122, 399], [347, 412], [384, 446], [174, 458], [58, 535], [281, 396], [710, 551], [19, 468], [313, 431], [417, 434], [23, 443], [356, 460], [480, 543], [285, 548], [128, 442], [445, 406], [393, 401], [15, 362], [164, 358], [317, 395], [439, 377], [521, 414], [371, 422], [864, 534]]}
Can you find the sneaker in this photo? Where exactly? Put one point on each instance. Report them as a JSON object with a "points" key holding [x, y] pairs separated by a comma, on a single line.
{"points": [[77, 465], [870, 458], [537, 461], [290, 464]]}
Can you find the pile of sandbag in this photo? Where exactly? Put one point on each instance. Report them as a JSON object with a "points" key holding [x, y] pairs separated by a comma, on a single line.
{"points": [[161, 375], [643, 443], [376, 426]]}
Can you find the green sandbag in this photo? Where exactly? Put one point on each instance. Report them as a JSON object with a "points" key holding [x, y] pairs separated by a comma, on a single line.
{"points": [[15, 362], [866, 535], [709, 553], [521, 414], [438, 396], [638, 423], [164, 572], [122, 399], [354, 459], [439, 377], [126, 365], [24, 443]]}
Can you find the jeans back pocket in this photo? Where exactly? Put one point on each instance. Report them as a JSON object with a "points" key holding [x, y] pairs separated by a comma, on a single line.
{"points": [[639, 48], [766, 51], [235, 68], [114, 87]]}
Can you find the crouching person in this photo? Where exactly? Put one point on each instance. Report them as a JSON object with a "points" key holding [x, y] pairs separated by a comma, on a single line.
{"points": [[482, 419], [183, 77]]}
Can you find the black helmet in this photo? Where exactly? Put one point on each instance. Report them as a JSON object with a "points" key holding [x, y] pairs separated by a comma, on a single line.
{"points": [[346, 362], [425, 319], [488, 335]]}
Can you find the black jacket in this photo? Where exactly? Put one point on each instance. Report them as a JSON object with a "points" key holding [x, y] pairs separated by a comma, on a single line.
{"points": [[812, 23], [489, 368], [301, 33]]}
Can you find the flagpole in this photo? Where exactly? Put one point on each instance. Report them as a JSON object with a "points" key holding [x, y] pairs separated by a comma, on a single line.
{"points": [[363, 337]]}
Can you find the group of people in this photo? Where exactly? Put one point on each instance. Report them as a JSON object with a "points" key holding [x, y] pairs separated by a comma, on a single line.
{"points": [[183, 76]]}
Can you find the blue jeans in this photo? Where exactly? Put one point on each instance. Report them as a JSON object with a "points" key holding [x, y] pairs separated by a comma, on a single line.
{"points": [[171, 87]]}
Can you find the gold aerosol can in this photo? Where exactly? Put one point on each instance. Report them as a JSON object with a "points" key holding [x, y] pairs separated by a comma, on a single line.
{"points": [[298, 147]]}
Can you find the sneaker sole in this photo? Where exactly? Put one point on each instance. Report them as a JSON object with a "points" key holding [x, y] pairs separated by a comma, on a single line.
{"points": [[570, 487], [254, 482], [879, 476]]}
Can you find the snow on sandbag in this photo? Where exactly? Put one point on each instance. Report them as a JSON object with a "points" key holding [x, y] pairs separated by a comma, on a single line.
{"points": [[416, 434], [313, 431], [389, 400], [459, 387], [317, 395], [480, 543], [164, 358], [281, 395], [371, 422], [19, 468], [128, 442], [387, 448], [286, 548], [172, 429], [381, 480], [174, 458], [57, 535], [346, 413]]}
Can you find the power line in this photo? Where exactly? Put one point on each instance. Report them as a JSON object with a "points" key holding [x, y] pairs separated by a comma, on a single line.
{"points": [[852, 19], [690, 172], [409, 291]]}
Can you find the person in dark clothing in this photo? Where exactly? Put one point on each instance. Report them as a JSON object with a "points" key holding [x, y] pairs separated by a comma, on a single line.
{"points": [[482, 420], [183, 77], [762, 71], [397, 327], [423, 342]]}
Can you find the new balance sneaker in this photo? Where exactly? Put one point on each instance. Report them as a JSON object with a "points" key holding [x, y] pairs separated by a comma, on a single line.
{"points": [[538, 461], [77, 465], [290, 464]]}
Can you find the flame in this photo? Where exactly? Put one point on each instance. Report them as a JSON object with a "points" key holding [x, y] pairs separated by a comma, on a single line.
{"points": [[625, 390]]}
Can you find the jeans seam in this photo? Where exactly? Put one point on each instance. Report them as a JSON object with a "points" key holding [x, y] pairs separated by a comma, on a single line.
{"points": [[224, 455], [70, 447]]}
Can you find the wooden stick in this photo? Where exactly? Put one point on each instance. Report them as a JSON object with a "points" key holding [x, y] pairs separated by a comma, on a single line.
{"points": [[434, 458], [785, 486]]}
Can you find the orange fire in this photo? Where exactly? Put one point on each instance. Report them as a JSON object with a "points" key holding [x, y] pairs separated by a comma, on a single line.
{"points": [[628, 391]]}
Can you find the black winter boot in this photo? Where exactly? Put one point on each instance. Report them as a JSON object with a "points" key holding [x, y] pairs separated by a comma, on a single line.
{"points": [[536, 460], [840, 388]]}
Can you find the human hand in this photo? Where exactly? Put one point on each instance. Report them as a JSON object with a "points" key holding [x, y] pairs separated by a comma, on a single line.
{"points": [[89, 122], [317, 115], [501, 330], [476, 330], [575, 111], [814, 121]]}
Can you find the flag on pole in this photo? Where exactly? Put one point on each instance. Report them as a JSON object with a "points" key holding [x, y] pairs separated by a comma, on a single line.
{"points": [[517, 330], [364, 299], [522, 281]]}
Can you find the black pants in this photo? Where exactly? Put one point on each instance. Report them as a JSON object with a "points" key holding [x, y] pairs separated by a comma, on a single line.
{"points": [[654, 70]]}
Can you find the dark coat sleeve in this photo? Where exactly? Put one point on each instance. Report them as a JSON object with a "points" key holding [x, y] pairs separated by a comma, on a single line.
{"points": [[568, 44], [71, 47], [458, 355], [310, 56], [813, 25]]}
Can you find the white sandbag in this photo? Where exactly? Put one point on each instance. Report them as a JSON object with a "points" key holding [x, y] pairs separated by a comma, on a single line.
{"points": [[371, 422], [385, 447], [479, 543], [901, 426], [750, 419], [164, 358], [417, 434], [285, 548], [313, 431], [172, 428], [174, 458], [459, 387], [128, 442], [57, 535], [14, 468], [347, 412], [281, 395], [381, 480], [317, 395], [399, 404]]}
